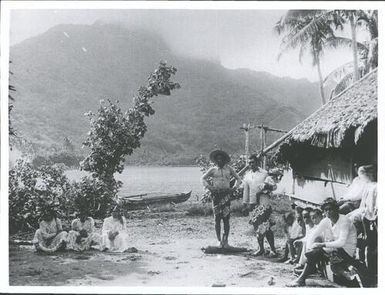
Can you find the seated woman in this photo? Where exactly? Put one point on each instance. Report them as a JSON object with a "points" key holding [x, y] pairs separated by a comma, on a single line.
{"points": [[114, 235], [50, 236], [339, 248], [83, 235]]}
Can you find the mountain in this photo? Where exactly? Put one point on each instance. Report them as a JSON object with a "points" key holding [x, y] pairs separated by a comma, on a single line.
{"points": [[64, 72]]}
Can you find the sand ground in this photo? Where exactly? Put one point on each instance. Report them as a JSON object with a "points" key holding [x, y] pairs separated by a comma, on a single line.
{"points": [[169, 254]]}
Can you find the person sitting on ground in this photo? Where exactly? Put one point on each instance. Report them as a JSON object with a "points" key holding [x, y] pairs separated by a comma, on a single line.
{"points": [[352, 198], [50, 236], [288, 220], [339, 246], [257, 187], [217, 181], [366, 216], [82, 234], [294, 230], [114, 232], [312, 217]]}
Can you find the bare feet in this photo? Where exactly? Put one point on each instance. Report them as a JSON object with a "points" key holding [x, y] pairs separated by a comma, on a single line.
{"points": [[296, 283]]}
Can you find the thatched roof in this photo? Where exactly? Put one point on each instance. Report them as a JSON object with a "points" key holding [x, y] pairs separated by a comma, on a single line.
{"points": [[353, 109]]}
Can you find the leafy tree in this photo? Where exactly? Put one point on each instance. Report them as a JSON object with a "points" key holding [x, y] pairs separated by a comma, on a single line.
{"points": [[92, 196], [11, 99], [114, 134]]}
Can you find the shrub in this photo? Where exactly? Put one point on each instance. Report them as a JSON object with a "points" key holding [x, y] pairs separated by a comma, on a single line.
{"points": [[33, 190], [93, 196]]}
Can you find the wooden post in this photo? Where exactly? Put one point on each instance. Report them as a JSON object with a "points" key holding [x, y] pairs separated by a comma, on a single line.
{"points": [[263, 133], [263, 143], [247, 144], [246, 128]]}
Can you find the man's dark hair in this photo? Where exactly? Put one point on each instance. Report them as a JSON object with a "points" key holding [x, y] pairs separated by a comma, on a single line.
{"points": [[332, 203], [317, 211]]}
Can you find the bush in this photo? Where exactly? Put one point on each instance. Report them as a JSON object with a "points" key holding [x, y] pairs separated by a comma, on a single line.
{"points": [[33, 190], [93, 196]]}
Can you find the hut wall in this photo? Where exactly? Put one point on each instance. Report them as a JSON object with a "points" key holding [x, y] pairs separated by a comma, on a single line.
{"points": [[332, 165], [309, 190]]}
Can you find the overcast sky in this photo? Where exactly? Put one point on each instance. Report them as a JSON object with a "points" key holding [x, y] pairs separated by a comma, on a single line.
{"points": [[236, 38]]}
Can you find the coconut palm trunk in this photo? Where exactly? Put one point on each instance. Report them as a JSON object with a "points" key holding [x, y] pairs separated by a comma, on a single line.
{"points": [[353, 25], [321, 84]]}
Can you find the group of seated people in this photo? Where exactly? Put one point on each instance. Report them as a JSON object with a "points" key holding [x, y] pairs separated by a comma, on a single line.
{"points": [[341, 235], [50, 237]]}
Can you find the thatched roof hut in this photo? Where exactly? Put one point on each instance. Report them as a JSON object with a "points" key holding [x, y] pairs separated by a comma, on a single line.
{"points": [[342, 132]]}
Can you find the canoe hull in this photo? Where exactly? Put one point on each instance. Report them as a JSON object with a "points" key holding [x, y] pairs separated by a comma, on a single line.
{"points": [[142, 201]]}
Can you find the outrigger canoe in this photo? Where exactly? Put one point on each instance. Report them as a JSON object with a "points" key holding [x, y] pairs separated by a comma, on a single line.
{"points": [[144, 200]]}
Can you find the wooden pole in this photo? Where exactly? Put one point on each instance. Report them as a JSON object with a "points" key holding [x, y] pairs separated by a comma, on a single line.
{"points": [[247, 143]]}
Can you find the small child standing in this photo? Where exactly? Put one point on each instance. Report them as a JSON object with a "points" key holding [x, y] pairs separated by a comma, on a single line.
{"points": [[220, 190]]}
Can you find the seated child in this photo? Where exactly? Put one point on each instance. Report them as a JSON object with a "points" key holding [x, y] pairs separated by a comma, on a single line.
{"points": [[294, 229]]}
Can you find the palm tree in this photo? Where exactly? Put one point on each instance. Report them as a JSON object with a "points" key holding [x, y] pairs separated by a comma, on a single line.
{"points": [[308, 30], [367, 52], [369, 19]]}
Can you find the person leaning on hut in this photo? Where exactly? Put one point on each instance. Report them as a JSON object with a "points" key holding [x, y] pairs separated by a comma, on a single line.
{"points": [[352, 198], [82, 234], [50, 236], [114, 232], [257, 185], [366, 214], [338, 247], [221, 192]]}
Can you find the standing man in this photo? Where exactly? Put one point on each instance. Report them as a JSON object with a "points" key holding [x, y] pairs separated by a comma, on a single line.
{"points": [[256, 186], [217, 181]]}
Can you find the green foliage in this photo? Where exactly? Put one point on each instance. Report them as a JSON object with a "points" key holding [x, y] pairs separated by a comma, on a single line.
{"points": [[11, 99], [115, 134], [33, 190], [91, 196]]}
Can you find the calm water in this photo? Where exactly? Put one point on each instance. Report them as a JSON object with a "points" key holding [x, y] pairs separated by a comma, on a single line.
{"points": [[155, 179]]}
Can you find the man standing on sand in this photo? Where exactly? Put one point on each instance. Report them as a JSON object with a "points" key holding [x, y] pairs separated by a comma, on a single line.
{"points": [[256, 185], [217, 181]]}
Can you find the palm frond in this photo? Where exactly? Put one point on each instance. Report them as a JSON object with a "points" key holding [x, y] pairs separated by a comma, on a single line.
{"points": [[337, 74], [370, 18], [312, 26], [336, 42], [344, 83]]}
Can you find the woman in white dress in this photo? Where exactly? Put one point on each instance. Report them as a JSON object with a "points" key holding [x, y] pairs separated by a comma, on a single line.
{"points": [[114, 232], [50, 236]]}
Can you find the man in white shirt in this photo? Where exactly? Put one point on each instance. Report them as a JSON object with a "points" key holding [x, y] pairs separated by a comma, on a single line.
{"points": [[256, 187], [339, 247], [312, 217]]}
